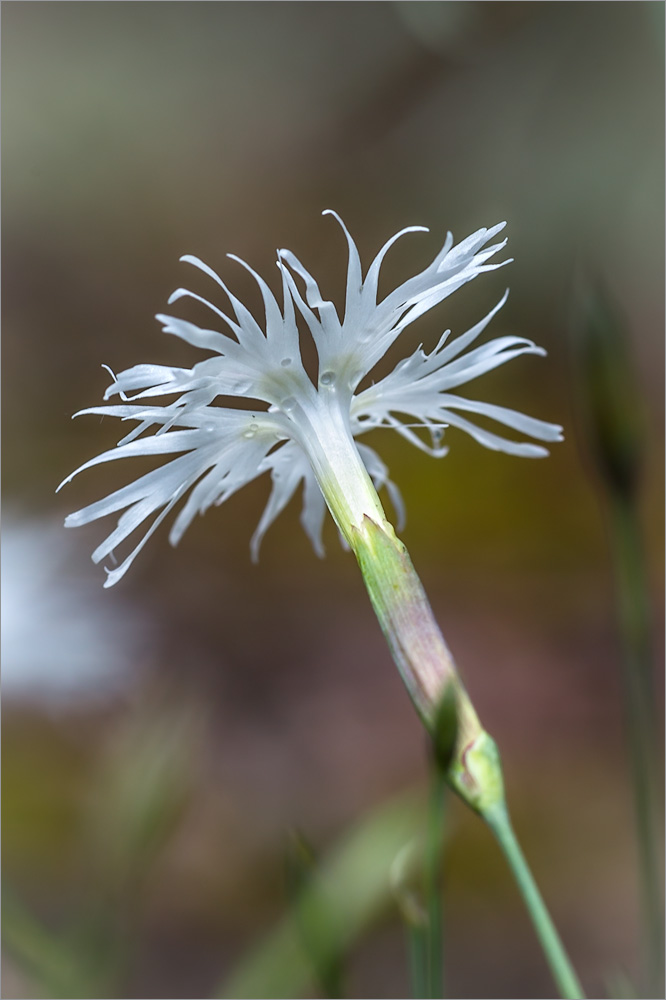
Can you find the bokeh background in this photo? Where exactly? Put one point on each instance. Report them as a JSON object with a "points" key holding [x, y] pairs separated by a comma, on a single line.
{"points": [[166, 741]]}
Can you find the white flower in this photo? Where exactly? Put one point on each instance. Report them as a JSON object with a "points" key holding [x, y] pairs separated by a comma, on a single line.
{"points": [[301, 432]]}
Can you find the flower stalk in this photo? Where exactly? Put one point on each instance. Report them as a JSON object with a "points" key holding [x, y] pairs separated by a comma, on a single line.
{"points": [[563, 973], [414, 638], [471, 763]]}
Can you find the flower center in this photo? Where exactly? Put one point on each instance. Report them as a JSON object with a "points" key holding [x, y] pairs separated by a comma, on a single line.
{"points": [[320, 423]]}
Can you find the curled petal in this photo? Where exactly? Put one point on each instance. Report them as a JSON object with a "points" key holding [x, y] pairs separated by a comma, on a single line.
{"points": [[302, 431]]}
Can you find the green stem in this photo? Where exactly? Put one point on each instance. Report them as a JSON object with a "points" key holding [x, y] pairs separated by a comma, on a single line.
{"points": [[641, 723], [433, 883], [465, 755], [560, 966], [417, 935]]}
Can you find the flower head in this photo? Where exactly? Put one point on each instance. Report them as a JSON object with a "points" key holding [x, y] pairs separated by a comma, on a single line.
{"points": [[302, 433]]}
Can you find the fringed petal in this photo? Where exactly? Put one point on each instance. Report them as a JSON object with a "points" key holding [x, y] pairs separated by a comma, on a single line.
{"points": [[511, 418], [354, 274], [328, 316], [287, 469], [313, 512], [224, 448], [372, 277], [494, 441], [378, 472]]}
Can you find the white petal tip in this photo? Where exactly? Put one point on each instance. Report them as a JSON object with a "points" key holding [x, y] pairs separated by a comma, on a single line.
{"points": [[113, 575], [239, 260]]}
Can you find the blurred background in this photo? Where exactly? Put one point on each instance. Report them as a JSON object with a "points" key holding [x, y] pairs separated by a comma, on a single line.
{"points": [[166, 742]]}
